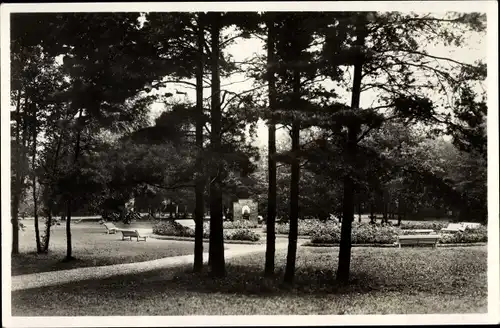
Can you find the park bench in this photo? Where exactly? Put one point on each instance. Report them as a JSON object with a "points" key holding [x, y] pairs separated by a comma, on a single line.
{"points": [[132, 233], [110, 228], [470, 225], [453, 227], [418, 240]]}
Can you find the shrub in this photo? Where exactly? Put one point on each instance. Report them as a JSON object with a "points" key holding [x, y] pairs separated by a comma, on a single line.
{"points": [[240, 224], [306, 227], [423, 225], [172, 228], [361, 234], [241, 234], [479, 235]]}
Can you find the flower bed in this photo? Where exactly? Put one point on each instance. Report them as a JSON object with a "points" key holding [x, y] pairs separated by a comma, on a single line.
{"points": [[172, 228], [361, 234], [468, 236], [376, 234], [241, 234], [305, 227], [423, 225], [240, 224]]}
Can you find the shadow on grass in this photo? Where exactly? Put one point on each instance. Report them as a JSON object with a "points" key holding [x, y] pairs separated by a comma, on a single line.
{"points": [[409, 273], [384, 281], [50, 261]]}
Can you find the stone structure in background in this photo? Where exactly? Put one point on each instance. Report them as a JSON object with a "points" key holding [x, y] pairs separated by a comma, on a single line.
{"points": [[245, 209]]}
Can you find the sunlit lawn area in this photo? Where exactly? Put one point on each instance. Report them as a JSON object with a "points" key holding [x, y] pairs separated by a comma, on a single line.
{"points": [[384, 281], [92, 247]]}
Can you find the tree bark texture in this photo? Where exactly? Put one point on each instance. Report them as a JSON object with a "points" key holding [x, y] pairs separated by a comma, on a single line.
{"points": [[271, 193], [350, 153], [200, 181], [294, 190], [216, 225]]}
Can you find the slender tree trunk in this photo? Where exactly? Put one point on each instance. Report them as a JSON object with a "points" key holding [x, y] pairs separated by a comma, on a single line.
{"points": [[218, 268], [359, 212], [35, 217], [271, 195], [350, 152], [294, 190], [200, 181], [46, 236], [385, 208], [50, 206], [18, 176], [400, 205], [372, 212], [15, 222], [35, 198], [392, 211], [69, 245]]}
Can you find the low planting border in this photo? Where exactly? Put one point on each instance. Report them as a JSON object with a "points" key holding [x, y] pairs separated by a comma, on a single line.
{"points": [[226, 241], [310, 244]]}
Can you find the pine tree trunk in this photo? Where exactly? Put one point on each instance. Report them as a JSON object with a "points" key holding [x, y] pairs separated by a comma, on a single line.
{"points": [[359, 212], [350, 153], [372, 212], [46, 237], [400, 205], [69, 247], [385, 209], [345, 231], [15, 222], [216, 226], [50, 205], [35, 198], [35, 217], [294, 211], [271, 194], [17, 183], [294, 191], [200, 187]]}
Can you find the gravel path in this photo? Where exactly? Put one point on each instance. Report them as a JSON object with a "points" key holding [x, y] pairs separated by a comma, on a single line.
{"points": [[43, 279]]}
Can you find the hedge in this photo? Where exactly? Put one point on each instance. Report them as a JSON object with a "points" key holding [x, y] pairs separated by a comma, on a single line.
{"points": [[172, 228], [240, 224], [306, 227], [423, 225], [468, 236], [361, 234], [241, 234], [373, 234]]}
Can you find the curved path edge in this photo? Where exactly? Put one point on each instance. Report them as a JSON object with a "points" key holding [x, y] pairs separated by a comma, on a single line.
{"points": [[52, 278]]}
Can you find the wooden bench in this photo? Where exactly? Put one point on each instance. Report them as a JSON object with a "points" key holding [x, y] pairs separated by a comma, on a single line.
{"points": [[110, 228], [453, 227], [470, 225], [132, 233], [418, 240]]}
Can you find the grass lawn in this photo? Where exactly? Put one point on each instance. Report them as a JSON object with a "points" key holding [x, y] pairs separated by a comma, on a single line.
{"points": [[384, 281], [92, 247]]}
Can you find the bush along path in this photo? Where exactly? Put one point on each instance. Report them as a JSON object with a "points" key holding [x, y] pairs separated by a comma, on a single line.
{"points": [[364, 235], [238, 231], [53, 278]]}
